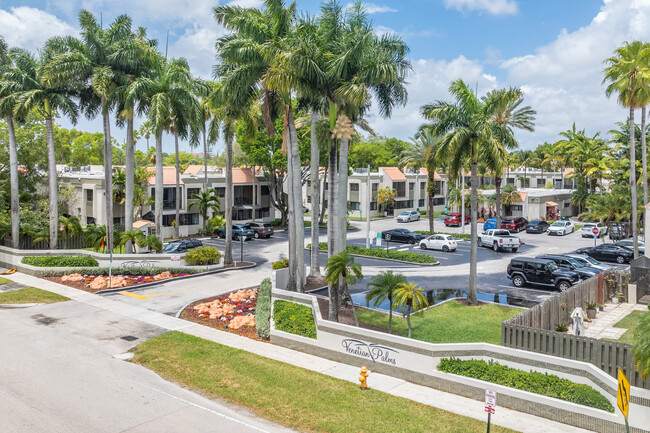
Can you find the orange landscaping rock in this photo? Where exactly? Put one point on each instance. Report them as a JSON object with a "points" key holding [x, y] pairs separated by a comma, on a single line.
{"points": [[72, 277], [163, 276], [240, 321], [215, 309], [118, 282], [98, 283], [241, 294]]}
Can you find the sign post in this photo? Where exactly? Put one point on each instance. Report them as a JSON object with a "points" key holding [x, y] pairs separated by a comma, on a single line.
{"points": [[490, 405], [623, 396], [241, 251], [595, 231]]}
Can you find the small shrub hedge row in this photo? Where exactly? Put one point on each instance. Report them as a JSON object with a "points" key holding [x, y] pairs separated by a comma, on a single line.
{"points": [[126, 270], [405, 256], [59, 261], [455, 235], [202, 256], [280, 264], [294, 318], [263, 310], [539, 383]]}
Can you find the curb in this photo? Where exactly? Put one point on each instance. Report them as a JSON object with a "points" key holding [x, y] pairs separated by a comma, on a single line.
{"points": [[437, 263], [155, 283]]}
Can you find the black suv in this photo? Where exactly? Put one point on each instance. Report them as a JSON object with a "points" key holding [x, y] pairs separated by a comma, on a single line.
{"points": [[261, 229], [540, 272], [182, 246], [570, 264]]}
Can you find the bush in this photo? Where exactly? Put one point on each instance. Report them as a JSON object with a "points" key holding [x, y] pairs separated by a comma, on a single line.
{"points": [[404, 256], [294, 318], [263, 310], [538, 383], [125, 270], [455, 235], [202, 256], [214, 224], [59, 261], [280, 264]]}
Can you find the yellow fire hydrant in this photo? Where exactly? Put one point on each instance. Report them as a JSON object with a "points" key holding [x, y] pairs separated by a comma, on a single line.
{"points": [[364, 377]]}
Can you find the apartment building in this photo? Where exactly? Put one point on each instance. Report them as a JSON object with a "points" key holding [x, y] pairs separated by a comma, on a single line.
{"points": [[529, 177]]}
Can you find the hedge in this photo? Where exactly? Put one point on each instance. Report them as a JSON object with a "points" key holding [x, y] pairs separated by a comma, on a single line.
{"points": [[128, 270], [59, 261], [263, 310], [539, 383], [294, 318], [202, 256], [405, 256], [280, 264], [455, 235]]}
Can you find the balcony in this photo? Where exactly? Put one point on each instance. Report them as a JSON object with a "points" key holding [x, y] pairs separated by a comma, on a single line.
{"points": [[239, 201], [169, 204]]}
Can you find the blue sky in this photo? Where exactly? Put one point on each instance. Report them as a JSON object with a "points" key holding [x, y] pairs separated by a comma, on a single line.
{"points": [[552, 49]]}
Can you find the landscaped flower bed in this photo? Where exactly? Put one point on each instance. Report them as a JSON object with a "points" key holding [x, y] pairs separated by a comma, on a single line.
{"points": [[93, 283]]}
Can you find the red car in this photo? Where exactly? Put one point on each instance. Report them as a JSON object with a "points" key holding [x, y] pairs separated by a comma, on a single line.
{"points": [[453, 219], [514, 224]]}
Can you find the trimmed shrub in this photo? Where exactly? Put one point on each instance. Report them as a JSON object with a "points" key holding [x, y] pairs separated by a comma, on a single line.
{"points": [[59, 261], [294, 318], [202, 256], [538, 383], [263, 310], [280, 264], [126, 270], [405, 256]]}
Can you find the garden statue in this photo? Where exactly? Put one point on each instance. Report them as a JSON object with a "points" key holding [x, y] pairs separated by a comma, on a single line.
{"points": [[578, 317]]}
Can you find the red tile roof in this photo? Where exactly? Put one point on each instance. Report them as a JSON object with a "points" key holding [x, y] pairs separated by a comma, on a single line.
{"points": [[425, 172], [242, 175], [169, 176], [193, 169], [141, 223], [393, 173]]}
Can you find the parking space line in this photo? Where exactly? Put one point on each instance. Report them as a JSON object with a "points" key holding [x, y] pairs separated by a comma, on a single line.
{"points": [[146, 298]]}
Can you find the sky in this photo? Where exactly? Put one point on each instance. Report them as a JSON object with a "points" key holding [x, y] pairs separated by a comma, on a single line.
{"points": [[552, 49]]}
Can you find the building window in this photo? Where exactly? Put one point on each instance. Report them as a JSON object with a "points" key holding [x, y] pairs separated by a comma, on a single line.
{"points": [[168, 219], [541, 182], [354, 187], [189, 219], [89, 195], [191, 192], [400, 187], [327, 186], [421, 202], [221, 191], [373, 205], [438, 201], [423, 186], [264, 190], [309, 199], [374, 187], [567, 204], [510, 181], [309, 184], [517, 207], [355, 205], [409, 203], [411, 186]]}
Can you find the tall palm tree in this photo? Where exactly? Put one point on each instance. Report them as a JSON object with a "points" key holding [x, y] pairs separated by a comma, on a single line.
{"points": [[409, 298], [469, 130], [628, 71], [35, 92], [341, 267], [382, 287], [206, 201]]}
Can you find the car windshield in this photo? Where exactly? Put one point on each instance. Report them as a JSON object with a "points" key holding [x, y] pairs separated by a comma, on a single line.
{"points": [[172, 247], [588, 226], [575, 263], [534, 223], [558, 224], [268, 226], [405, 213], [551, 267], [507, 221], [591, 260]]}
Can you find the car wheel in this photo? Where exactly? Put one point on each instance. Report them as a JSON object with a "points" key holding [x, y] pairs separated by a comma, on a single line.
{"points": [[256, 235], [412, 241], [620, 260], [563, 286], [479, 242], [564, 232], [495, 246], [423, 246], [222, 235], [445, 249], [518, 281], [236, 237]]}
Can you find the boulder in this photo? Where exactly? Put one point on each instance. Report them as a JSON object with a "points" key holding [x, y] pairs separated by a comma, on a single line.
{"points": [[98, 283], [240, 321], [163, 276], [239, 295], [72, 278], [215, 309]]}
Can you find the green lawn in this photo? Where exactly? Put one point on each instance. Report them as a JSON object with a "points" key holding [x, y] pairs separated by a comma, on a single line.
{"points": [[4, 281], [30, 295], [289, 395], [116, 250], [628, 322], [450, 322]]}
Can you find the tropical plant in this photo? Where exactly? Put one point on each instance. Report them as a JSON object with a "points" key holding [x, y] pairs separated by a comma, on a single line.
{"points": [[510, 196], [642, 344], [409, 298], [96, 236], [341, 267], [382, 287], [70, 226], [133, 236], [152, 242], [386, 197], [215, 223], [206, 201]]}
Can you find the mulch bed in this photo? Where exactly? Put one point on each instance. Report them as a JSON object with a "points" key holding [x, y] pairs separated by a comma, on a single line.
{"points": [[315, 283], [81, 285], [193, 316]]}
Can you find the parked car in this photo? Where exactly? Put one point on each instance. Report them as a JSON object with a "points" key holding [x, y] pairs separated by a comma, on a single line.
{"points": [[568, 264], [490, 223], [408, 215], [453, 219], [629, 243], [238, 231], [401, 235], [498, 240], [514, 224], [182, 246], [587, 231], [608, 253], [561, 228], [589, 261], [439, 242], [539, 272], [537, 226], [262, 230], [619, 231]]}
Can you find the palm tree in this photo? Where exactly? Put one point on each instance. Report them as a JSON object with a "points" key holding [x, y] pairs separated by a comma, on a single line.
{"points": [[628, 72], [341, 267], [382, 287], [509, 196], [469, 130], [145, 131], [70, 226], [152, 242], [386, 197], [35, 92], [207, 200], [96, 236], [408, 298]]}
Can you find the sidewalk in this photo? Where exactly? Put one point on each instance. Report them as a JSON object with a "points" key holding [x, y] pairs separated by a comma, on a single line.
{"points": [[603, 325], [453, 403]]}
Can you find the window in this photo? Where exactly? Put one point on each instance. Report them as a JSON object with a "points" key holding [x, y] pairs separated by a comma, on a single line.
{"points": [[516, 207], [189, 219], [510, 181], [264, 190], [421, 202], [327, 186], [354, 187], [373, 205], [438, 201], [423, 187], [168, 219], [541, 182], [374, 187], [221, 191], [309, 184], [89, 195], [355, 205], [191, 192], [309, 199], [400, 187], [411, 186], [567, 204]]}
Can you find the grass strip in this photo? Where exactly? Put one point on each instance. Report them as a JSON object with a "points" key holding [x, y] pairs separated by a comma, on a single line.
{"points": [[289, 395], [4, 281], [30, 295], [450, 322], [404, 256], [629, 322]]}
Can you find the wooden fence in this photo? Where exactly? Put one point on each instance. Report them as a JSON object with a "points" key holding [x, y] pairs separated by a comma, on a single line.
{"points": [[534, 329]]}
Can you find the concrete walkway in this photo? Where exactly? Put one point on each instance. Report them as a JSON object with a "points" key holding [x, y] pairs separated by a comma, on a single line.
{"points": [[603, 325], [453, 403]]}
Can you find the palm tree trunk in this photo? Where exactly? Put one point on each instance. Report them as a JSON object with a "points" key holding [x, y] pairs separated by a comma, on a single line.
{"points": [[314, 264], [332, 234], [471, 294], [205, 160], [354, 310], [177, 218], [158, 207], [644, 158], [297, 204], [390, 314], [130, 181], [321, 190], [497, 189], [254, 194], [291, 228], [227, 254], [633, 185], [408, 318], [342, 210], [52, 181], [13, 181], [108, 176], [431, 185]]}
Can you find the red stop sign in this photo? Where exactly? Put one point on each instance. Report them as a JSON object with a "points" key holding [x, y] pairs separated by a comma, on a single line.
{"points": [[595, 230]]}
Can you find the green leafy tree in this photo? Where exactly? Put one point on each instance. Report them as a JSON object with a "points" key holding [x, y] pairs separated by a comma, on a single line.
{"points": [[382, 287], [386, 197], [409, 298], [341, 267], [642, 344]]}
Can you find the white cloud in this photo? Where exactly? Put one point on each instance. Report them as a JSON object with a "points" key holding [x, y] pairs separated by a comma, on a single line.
{"points": [[29, 28], [495, 7], [372, 8]]}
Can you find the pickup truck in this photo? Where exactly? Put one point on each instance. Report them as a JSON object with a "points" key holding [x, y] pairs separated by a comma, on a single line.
{"points": [[498, 240]]}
